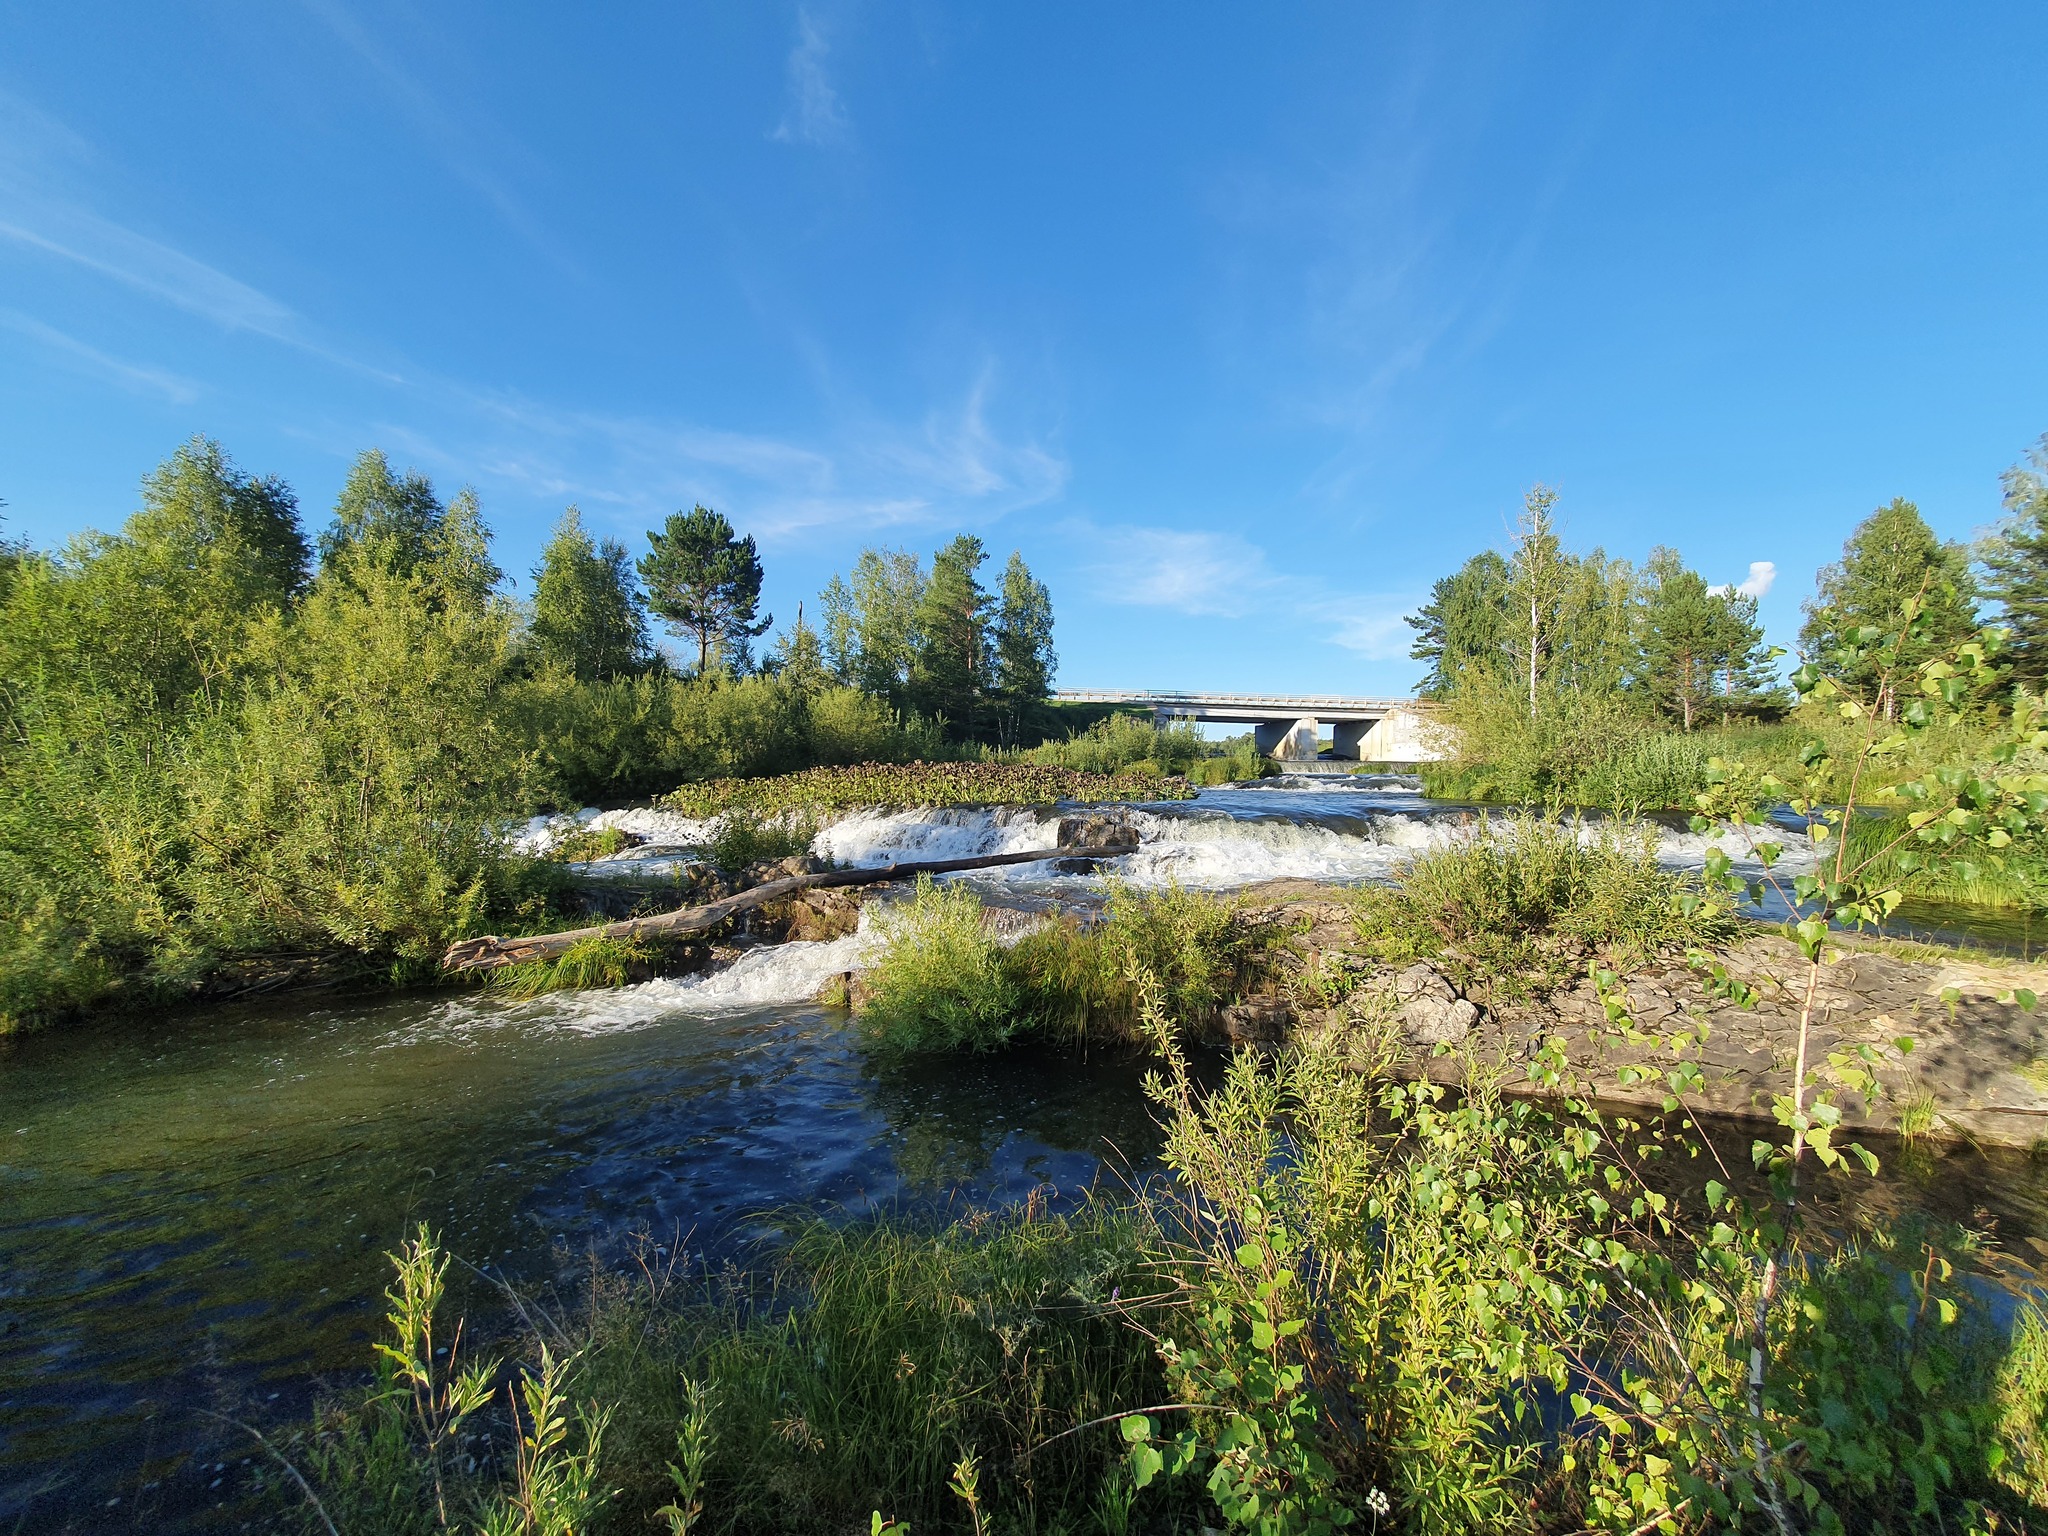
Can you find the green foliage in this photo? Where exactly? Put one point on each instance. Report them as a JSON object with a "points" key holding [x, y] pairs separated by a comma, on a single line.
{"points": [[744, 837], [1522, 902], [1702, 649], [1464, 625], [862, 1376], [943, 983], [1022, 642], [823, 790], [1892, 560], [592, 962], [871, 624], [950, 665], [705, 584], [937, 645], [2016, 568], [587, 613], [1123, 742]]}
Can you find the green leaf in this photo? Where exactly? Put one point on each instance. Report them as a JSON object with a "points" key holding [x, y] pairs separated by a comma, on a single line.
{"points": [[1136, 1427], [1716, 1193], [1251, 1255]]}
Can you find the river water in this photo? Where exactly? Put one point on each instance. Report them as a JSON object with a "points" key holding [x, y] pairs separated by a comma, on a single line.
{"points": [[194, 1210]]}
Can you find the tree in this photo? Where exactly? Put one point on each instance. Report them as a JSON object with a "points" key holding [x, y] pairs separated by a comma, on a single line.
{"points": [[1024, 658], [198, 498], [1893, 556], [798, 661], [1540, 573], [1701, 645], [871, 634], [950, 671], [1464, 625], [587, 612], [705, 583], [2016, 567], [395, 523]]}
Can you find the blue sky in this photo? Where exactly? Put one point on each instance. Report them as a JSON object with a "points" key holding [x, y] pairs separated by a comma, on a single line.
{"points": [[1243, 324]]}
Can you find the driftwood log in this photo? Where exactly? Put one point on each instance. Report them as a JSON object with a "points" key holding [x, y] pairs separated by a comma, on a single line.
{"points": [[489, 952]]}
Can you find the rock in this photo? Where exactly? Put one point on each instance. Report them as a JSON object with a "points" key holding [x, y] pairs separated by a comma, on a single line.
{"points": [[1255, 1020], [1429, 1008], [1094, 830]]}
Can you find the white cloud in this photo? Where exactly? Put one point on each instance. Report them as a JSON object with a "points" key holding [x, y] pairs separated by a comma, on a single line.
{"points": [[859, 474], [1371, 626], [814, 114], [173, 387], [1205, 574], [1762, 574], [113, 251]]}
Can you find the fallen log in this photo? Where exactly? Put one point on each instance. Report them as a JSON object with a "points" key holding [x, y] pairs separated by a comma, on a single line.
{"points": [[491, 952]]}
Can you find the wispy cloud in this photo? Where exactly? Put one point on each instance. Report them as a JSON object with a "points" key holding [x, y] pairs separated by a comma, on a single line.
{"points": [[813, 113], [1202, 574], [112, 250], [859, 474], [137, 376], [463, 141], [1207, 574], [1763, 574]]}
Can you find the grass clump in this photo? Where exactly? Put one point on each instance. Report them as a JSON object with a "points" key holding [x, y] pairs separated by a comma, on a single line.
{"points": [[1526, 900], [851, 1377], [745, 836], [945, 982], [1358, 1303], [597, 961]]}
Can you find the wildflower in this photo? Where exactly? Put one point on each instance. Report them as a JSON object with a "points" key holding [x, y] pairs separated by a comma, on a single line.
{"points": [[1380, 1505]]}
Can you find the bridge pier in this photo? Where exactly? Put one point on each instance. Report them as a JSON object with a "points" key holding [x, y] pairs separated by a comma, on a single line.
{"points": [[1346, 735], [1288, 742]]}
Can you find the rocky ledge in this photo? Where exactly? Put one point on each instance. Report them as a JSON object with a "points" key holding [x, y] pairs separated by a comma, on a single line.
{"points": [[1977, 1066]]}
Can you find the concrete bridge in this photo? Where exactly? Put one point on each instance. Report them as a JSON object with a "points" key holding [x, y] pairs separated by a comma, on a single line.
{"points": [[1290, 726]]}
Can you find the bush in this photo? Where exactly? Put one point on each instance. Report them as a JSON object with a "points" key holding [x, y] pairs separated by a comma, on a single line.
{"points": [[943, 983], [1123, 742], [1525, 901]]}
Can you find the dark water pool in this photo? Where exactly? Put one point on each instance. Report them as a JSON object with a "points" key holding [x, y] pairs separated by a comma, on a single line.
{"points": [[194, 1216]]}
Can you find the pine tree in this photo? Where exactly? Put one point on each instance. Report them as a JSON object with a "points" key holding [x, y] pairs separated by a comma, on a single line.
{"points": [[2016, 567], [798, 662], [1024, 658], [1463, 627], [1893, 556], [705, 583], [588, 616], [1684, 630], [950, 671]]}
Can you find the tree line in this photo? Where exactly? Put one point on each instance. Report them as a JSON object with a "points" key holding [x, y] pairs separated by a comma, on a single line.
{"points": [[1546, 625], [225, 743]]}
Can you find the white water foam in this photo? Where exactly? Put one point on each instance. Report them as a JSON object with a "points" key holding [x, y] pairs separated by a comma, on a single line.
{"points": [[868, 838]]}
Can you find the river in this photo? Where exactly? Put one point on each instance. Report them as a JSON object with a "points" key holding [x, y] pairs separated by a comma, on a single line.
{"points": [[194, 1209]]}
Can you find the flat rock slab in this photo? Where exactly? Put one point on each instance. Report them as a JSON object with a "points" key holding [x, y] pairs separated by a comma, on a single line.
{"points": [[1983, 1062]]}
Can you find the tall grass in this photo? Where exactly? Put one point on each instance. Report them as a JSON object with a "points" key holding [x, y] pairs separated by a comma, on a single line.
{"points": [[1522, 902], [945, 982], [1357, 1303]]}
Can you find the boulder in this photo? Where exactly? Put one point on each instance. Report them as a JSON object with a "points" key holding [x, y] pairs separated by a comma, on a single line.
{"points": [[1094, 830], [1429, 1008]]}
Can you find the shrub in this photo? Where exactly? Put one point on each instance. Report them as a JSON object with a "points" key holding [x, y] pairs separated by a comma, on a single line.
{"points": [[903, 786], [943, 982], [1526, 900]]}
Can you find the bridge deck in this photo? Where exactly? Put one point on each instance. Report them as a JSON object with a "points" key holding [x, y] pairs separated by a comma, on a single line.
{"points": [[1242, 706]]}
